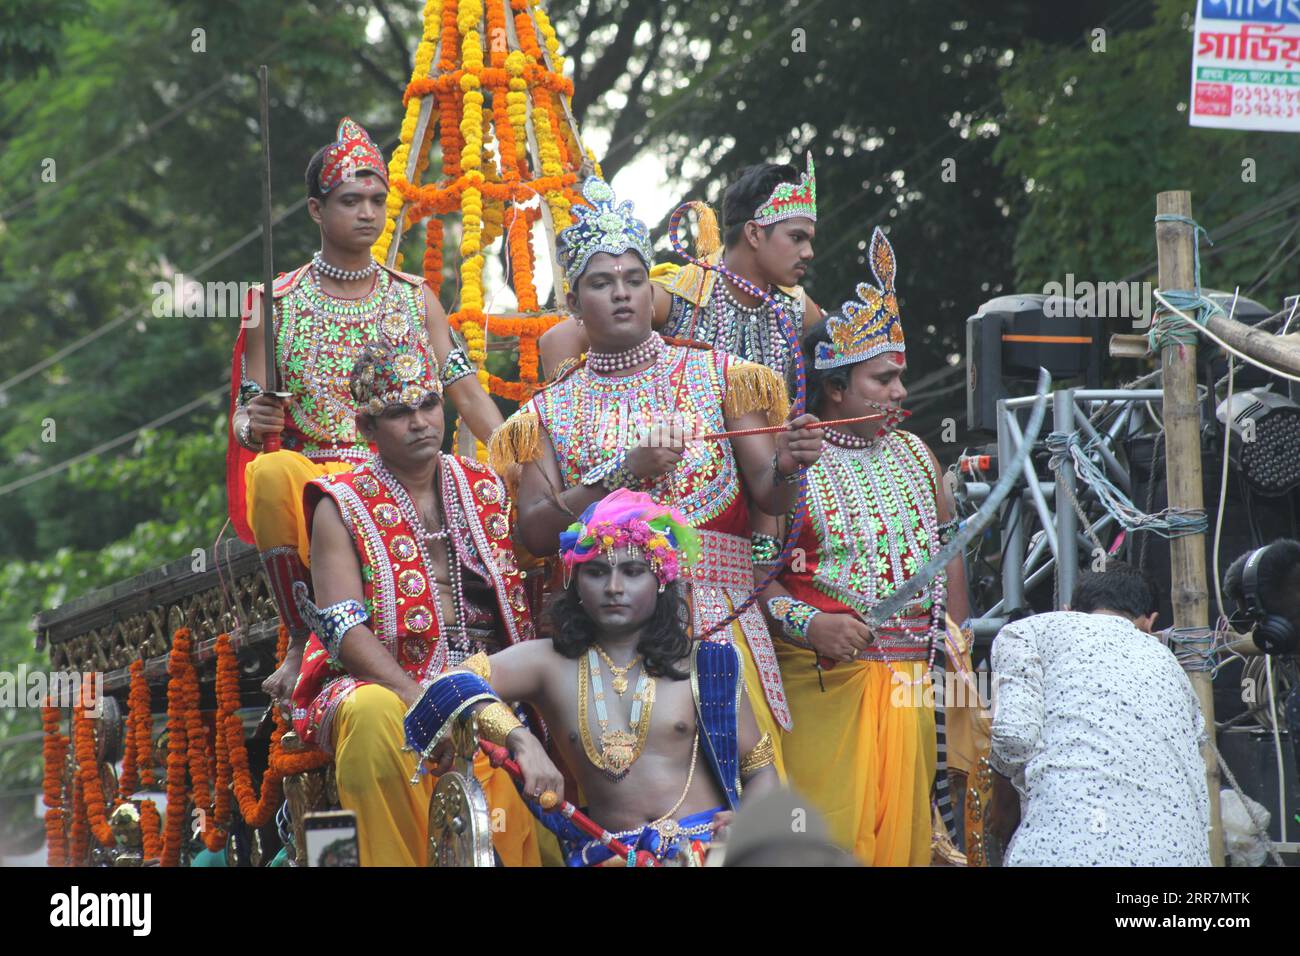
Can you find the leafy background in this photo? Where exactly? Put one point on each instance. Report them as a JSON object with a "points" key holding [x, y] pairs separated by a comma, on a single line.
{"points": [[1059, 149]]}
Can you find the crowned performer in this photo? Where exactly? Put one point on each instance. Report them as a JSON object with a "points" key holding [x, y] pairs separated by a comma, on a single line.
{"points": [[325, 311], [652, 724], [414, 572], [621, 419], [876, 512], [769, 215]]}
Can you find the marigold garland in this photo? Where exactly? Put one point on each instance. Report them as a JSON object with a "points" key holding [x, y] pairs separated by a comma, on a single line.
{"points": [[487, 187], [92, 784], [178, 663], [55, 749]]}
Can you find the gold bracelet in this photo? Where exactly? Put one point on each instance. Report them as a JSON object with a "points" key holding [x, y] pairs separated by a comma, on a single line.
{"points": [[763, 755], [496, 721], [480, 665]]}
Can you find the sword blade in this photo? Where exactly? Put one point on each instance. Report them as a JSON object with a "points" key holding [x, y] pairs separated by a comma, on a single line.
{"points": [[909, 590], [268, 266]]}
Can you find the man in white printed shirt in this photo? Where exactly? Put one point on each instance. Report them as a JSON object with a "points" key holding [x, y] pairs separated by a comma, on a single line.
{"points": [[1097, 726]]}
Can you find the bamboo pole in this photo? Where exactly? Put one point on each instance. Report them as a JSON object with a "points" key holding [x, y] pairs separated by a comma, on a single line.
{"points": [[1175, 245]]}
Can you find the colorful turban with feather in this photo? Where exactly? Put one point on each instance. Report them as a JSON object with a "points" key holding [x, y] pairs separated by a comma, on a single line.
{"points": [[632, 520]]}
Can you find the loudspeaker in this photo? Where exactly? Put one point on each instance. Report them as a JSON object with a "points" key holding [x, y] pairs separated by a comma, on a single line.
{"points": [[1252, 758]]}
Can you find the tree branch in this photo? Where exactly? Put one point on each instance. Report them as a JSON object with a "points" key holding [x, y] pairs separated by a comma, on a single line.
{"points": [[395, 36], [375, 70], [579, 45], [606, 71]]}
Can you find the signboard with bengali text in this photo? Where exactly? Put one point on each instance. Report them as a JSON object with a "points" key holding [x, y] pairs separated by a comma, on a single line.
{"points": [[1246, 65]]}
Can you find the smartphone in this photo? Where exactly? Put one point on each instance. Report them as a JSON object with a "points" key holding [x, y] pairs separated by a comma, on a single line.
{"points": [[332, 838]]}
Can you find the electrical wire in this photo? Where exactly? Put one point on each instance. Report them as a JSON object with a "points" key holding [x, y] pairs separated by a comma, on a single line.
{"points": [[106, 446]]}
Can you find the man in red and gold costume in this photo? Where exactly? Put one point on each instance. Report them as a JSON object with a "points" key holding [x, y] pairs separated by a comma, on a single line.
{"points": [[624, 419], [864, 745], [414, 572], [324, 314]]}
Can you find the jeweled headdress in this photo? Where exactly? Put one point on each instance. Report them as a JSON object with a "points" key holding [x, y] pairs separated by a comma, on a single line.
{"points": [[603, 225], [391, 376], [789, 200], [353, 150], [632, 520], [868, 325]]}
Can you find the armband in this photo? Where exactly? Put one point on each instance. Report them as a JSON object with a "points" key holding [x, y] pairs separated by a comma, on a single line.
{"points": [[456, 367], [763, 755], [947, 530], [443, 701], [496, 721], [795, 616], [329, 623]]}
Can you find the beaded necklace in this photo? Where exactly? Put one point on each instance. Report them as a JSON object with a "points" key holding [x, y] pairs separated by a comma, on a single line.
{"points": [[606, 362], [417, 523], [342, 275]]}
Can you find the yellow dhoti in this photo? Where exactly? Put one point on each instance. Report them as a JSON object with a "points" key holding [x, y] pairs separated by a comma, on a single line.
{"points": [[374, 775], [274, 484], [863, 753]]}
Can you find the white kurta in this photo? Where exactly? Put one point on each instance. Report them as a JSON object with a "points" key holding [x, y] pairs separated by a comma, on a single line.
{"points": [[1098, 726]]}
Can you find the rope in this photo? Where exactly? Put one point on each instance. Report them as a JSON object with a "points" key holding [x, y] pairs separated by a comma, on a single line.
{"points": [[1170, 523], [1169, 326]]}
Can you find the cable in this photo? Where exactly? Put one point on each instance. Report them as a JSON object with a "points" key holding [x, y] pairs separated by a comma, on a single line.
{"points": [[1277, 744], [119, 440]]}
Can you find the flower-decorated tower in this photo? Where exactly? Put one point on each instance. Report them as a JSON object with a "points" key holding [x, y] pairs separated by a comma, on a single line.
{"points": [[488, 87]]}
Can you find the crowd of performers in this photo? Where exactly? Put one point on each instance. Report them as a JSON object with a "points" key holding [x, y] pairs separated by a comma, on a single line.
{"points": [[397, 567]]}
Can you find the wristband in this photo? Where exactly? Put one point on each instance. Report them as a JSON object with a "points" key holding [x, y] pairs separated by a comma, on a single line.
{"points": [[795, 617], [457, 366], [496, 721], [765, 549]]}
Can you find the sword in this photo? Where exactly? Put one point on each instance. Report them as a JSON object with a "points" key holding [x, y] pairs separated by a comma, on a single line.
{"points": [[910, 589], [269, 442]]}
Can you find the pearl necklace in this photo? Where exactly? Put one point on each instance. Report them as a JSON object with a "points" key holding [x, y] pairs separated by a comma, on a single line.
{"points": [[753, 312], [342, 275], [604, 363], [845, 440]]}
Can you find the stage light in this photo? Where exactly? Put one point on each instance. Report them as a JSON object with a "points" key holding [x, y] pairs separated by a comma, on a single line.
{"points": [[1265, 442]]}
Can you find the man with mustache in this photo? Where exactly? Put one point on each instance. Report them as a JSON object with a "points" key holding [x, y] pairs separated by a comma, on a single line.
{"points": [[770, 215], [625, 419], [324, 314], [877, 511], [414, 573]]}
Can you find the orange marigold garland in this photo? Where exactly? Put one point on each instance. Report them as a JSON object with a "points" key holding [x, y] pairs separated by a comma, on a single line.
{"points": [[150, 830], [80, 835], [56, 756], [177, 795], [92, 784]]}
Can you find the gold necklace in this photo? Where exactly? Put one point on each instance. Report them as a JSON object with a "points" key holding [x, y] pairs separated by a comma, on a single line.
{"points": [[620, 673], [619, 749]]}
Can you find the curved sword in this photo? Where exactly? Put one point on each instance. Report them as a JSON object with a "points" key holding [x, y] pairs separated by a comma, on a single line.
{"points": [[910, 589]]}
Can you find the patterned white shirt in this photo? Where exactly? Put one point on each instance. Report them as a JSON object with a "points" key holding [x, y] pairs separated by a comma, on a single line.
{"points": [[1098, 726]]}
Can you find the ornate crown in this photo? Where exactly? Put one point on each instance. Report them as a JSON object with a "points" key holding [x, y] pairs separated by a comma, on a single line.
{"points": [[603, 225], [393, 377], [353, 150], [789, 200], [868, 325], [632, 520]]}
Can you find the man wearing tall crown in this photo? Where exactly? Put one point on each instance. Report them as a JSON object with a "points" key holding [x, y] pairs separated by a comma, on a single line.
{"points": [[769, 215], [414, 573], [877, 511], [621, 419], [324, 313]]}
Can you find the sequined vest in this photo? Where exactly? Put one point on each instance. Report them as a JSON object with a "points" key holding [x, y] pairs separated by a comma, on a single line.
{"points": [[591, 417], [704, 309], [872, 522], [396, 568], [318, 338]]}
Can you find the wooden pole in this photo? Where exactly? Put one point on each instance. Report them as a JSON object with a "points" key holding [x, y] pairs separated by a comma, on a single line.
{"points": [[1176, 248]]}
